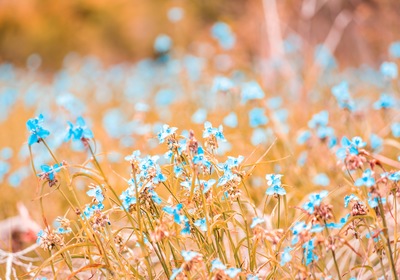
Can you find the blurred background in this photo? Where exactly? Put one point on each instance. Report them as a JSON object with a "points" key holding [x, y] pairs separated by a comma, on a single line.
{"points": [[124, 30]]}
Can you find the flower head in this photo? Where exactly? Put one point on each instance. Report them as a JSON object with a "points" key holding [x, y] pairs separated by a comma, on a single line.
{"points": [[37, 131]]}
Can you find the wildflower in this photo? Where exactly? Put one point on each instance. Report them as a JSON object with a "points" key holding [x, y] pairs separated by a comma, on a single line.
{"points": [[339, 225], [367, 179], [251, 90], [297, 229], [315, 200], [134, 157], [376, 141], [308, 249], [207, 184], [303, 137], [395, 129], [175, 273], [200, 159], [231, 120], [385, 102], [210, 131], [274, 181], [38, 133], [321, 179], [96, 192], [90, 210], [217, 264], [199, 116], [373, 200], [318, 120], [350, 147], [257, 117], [389, 70], [49, 240], [342, 94], [286, 256], [349, 198], [166, 132], [79, 131], [394, 176], [232, 272], [223, 33], [63, 225], [128, 198], [189, 255], [394, 49], [256, 221], [222, 84], [175, 14], [49, 173], [201, 224], [374, 235], [163, 43]]}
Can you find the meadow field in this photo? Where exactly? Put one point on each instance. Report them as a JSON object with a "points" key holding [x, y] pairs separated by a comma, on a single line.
{"points": [[200, 140]]}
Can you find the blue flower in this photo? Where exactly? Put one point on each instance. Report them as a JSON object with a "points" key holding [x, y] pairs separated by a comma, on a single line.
{"points": [[40, 235], [321, 179], [175, 14], [163, 43], [385, 101], [50, 171], [389, 70], [37, 131], [79, 131], [257, 117], [315, 200], [395, 129], [373, 201], [231, 120], [303, 137], [166, 132], [320, 119], [395, 176], [350, 147], [256, 221], [376, 141], [217, 264], [207, 184], [349, 198], [154, 196], [394, 49], [232, 272], [308, 249], [210, 131], [134, 157], [200, 159], [61, 230], [275, 189], [222, 32], [342, 94], [222, 84], [199, 116], [286, 256], [367, 179], [251, 91], [96, 193], [202, 224], [175, 273], [189, 255], [252, 277], [274, 181]]}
